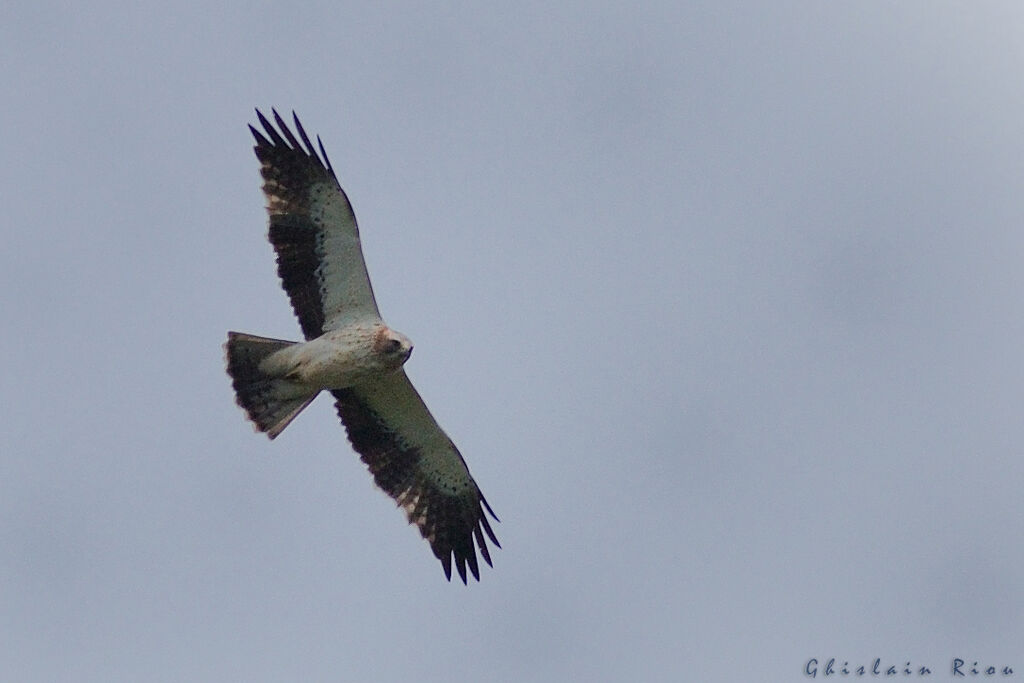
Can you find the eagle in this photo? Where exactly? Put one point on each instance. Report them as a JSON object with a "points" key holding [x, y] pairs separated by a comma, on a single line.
{"points": [[350, 352]]}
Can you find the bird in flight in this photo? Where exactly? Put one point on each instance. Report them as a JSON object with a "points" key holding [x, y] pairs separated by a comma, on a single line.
{"points": [[350, 352]]}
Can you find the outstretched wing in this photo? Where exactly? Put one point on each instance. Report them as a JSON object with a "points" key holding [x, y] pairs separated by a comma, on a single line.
{"points": [[416, 463], [313, 230]]}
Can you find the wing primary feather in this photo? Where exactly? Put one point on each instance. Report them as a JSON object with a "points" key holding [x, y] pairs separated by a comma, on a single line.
{"points": [[484, 501], [287, 133], [487, 528], [324, 153], [471, 557], [460, 564], [277, 117], [446, 562], [269, 127], [305, 138], [482, 544], [260, 140]]}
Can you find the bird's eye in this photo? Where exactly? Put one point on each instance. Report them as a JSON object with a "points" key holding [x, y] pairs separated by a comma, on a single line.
{"points": [[394, 345]]}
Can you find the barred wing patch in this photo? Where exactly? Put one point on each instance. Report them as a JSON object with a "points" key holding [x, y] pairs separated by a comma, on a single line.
{"points": [[416, 463], [313, 230]]}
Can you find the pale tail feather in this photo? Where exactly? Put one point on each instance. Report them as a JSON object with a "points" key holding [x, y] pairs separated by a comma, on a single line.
{"points": [[270, 402]]}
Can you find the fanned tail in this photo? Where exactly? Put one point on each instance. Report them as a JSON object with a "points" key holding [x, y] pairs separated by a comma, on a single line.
{"points": [[270, 402]]}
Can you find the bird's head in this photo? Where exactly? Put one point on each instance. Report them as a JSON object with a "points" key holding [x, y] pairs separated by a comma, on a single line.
{"points": [[394, 347]]}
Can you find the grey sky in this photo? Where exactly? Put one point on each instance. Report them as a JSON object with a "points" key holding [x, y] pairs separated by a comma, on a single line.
{"points": [[721, 302]]}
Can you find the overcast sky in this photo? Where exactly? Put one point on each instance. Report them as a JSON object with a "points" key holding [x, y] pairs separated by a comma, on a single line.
{"points": [[720, 301]]}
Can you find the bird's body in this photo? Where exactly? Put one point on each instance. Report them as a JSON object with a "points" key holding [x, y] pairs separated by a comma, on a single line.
{"points": [[351, 352], [341, 358]]}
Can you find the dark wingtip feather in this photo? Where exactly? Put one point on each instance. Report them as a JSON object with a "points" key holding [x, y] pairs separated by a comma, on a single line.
{"points": [[302, 134], [260, 139], [490, 532], [280, 135], [324, 153], [271, 131], [277, 117], [267, 126], [488, 507], [446, 562], [485, 524], [482, 543], [292, 142]]}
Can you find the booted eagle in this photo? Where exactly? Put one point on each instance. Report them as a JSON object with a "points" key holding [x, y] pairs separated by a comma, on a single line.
{"points": [[350, 352]]}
